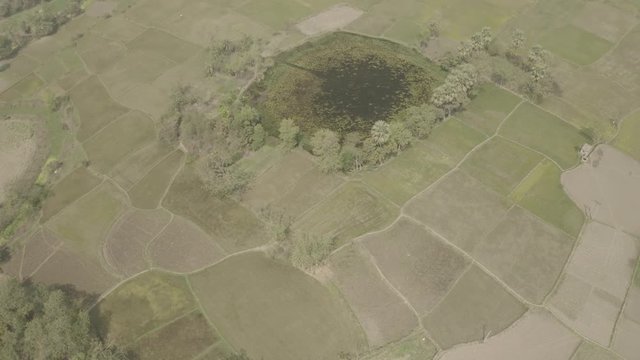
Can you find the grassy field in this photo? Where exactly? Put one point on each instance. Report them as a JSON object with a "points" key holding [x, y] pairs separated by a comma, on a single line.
{"points": [[542, 194], [232, 226], [141, 305], [69, 189], [501, 164], [546, 133], [575, 44], [261, 295], [350, 212], [627, 138], [124, 206], [148, 192]]}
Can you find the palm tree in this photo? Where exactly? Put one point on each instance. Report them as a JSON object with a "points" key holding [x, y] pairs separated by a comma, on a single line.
{"points": [[380, 132]]}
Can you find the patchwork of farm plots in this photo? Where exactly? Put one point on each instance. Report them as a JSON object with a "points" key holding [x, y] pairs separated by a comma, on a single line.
{"points": [[486, 238]]}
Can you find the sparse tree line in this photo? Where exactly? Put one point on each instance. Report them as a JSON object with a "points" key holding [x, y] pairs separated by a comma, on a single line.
{"points": [[43, 22], [302, 250], [508, 64]]}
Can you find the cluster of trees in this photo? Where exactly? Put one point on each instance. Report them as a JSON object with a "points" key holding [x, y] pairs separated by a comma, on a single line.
{"points": [[216, 137], [455, 92], [10, 7], [233, 57], [43, 22], [37, 322], [303, 250], [479, 42], [354, 151]]}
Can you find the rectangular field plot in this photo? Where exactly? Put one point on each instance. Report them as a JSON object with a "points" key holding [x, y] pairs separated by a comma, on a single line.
{"points": [[627, 139], [628, 327], [455, 139], [536, 336], [526, 253], [589, 351], [590, 124], [463, 18], [24, 88], [419, 264], [85, 224], [621, 63], [94, 106], [182, 339], [125, 246], [134, 167], [70, 188], [410, 172], [384, 316], [413, 347], [533, 127], [148, 192], [501, 164], [164, 44], [276, 14], [489, 108], [347, 213], [541, 193], [576, 45], [595, 284], [275, 311], [118, 28], [476, 306], [98, 53], [460, 208], [118, 139], [67, 267], [234, 227], [142, 304]]}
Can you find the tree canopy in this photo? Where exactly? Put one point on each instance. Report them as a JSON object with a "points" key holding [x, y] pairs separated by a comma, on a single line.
{"points": [[39, 323]]}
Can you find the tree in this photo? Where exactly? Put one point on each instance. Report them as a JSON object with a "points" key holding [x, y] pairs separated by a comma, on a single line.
{"points": [[289, 133], [537, 63], [420, 120], [40, 323], [454, 92], [221, 176], [258, 137], [434, 29], [517, 40], [464, 76], [326, 145], [481, 39], [380, 132], [399, 135]]}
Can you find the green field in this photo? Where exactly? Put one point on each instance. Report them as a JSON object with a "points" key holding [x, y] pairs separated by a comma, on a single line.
{"points": [[575, 44], [259, 295], [628, 136]]}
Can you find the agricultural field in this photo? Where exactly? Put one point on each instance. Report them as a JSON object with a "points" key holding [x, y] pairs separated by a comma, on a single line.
{"points": [[327, 180]]}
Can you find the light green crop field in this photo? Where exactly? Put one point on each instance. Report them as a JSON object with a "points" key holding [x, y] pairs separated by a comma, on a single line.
{"points": [[448, 242], [575, 44], [248, 295], [546, 133]]}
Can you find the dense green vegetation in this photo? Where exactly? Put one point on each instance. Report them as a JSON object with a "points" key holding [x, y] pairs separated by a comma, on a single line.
{"points": [[37, 322]]}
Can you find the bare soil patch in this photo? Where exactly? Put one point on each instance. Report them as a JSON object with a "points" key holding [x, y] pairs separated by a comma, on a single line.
{"points": [[334, 18], [538, 335], [606, 187]]}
